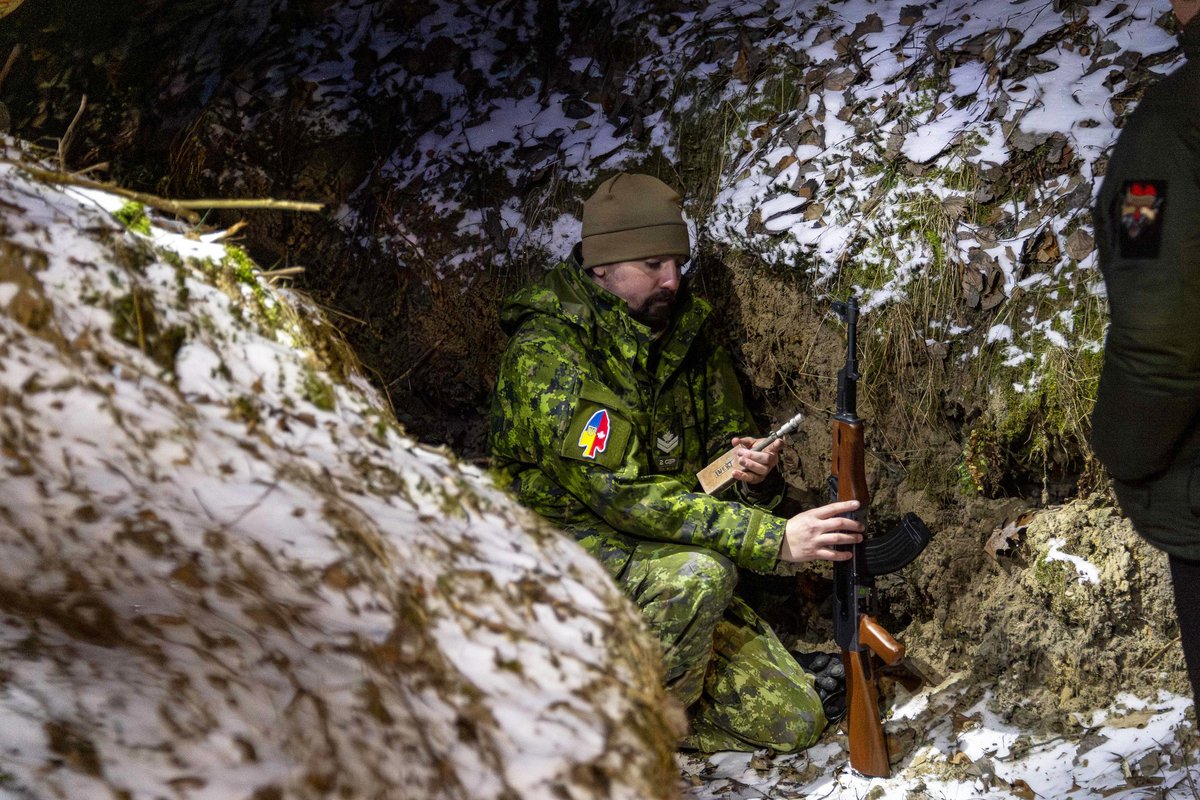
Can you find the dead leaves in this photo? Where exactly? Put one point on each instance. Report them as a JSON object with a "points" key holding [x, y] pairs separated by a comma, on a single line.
{"points": [[982, 281], [1005, 539]]}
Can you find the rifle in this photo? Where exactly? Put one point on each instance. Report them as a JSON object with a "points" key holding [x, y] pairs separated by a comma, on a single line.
{"points": [[855, 630]]}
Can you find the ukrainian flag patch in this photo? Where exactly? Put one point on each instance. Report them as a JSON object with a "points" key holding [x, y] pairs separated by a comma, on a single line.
{"points": [[599, 431]]}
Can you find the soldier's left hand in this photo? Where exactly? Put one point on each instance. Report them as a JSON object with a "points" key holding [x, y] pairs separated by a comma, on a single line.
{"points": [[753, 467]]}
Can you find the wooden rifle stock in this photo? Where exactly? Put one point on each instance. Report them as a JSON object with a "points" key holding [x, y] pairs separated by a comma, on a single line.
{"points": [[868, 744], [868, 747]]}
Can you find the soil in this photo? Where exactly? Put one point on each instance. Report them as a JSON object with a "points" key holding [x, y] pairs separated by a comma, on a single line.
{"points": [[986, 598]]}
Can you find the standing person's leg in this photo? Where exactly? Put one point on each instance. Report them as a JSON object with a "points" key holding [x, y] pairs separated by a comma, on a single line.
{"points": [[1185, 580]]}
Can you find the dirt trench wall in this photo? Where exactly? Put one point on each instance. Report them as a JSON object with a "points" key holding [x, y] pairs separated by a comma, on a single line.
{"points": [[995, 595], [1053, 637]]}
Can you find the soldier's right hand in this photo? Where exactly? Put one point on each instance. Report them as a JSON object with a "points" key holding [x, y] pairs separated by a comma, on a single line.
{"points": [[811, 535]]}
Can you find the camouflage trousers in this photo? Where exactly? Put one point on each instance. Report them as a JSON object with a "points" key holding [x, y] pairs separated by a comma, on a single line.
{"points": [[742, 688]]}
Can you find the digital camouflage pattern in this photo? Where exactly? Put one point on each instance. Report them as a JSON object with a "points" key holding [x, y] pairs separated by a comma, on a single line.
{"points": [[670, 405], [744, 690], [600, 427]]}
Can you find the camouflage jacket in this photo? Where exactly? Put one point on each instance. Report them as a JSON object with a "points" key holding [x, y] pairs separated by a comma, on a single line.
{"points": [[600, 427]]}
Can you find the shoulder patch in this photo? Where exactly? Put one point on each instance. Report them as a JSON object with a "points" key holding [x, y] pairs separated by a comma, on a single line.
{"points": [[594, 437], [598, 433], [1139, 223]]}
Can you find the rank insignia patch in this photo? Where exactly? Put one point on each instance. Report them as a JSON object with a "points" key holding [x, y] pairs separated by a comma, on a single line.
{"points": [[1140, 222], [594, 437]]}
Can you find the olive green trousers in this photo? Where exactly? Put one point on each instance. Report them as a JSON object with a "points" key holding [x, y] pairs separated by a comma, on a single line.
{"points": [[743, 689]]}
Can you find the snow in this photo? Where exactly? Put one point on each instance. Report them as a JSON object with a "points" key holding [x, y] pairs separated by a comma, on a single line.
{"points": [[237, 572], [1086, 571], [931, 139], [1121, 752]]}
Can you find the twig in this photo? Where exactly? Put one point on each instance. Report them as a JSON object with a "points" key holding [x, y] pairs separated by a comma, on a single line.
{"points": [[1156, 656], [153, 201], [9, 62], [103, 165], [350, 317], [137, 313], [282, 205], [8, 65], [230, 231], [282, 273], [64, 144]]}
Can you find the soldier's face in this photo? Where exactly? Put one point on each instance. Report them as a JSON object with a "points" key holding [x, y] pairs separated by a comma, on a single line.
{"points": [[648, 287], [1185, 10]]}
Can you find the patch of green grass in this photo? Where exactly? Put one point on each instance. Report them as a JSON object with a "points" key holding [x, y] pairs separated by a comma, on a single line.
{"points": [[1044, 429], [133, 216], [319, 392]]}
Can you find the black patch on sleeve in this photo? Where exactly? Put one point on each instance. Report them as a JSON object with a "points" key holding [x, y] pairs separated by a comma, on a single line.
{"points": [[1139, 214]]}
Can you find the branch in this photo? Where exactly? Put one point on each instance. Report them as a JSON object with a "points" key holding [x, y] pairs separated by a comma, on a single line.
{"points": [[283, 205], [65, 142], [180, 208], [160, 203]]}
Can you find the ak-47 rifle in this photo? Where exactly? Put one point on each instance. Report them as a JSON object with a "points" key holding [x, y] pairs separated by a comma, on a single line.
{"points": [[856, 631]]}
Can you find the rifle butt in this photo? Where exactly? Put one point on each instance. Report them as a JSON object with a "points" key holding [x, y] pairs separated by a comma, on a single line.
{"points": [[867, 744]]}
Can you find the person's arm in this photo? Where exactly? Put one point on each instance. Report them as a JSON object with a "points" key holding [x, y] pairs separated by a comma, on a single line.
{"points": [[1148, 400]]}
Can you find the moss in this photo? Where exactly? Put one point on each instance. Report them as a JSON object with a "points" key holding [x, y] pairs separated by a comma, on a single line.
{"points": [[1060, 582], [171, 258], [240, 264], [318, 392], [133, 216]]}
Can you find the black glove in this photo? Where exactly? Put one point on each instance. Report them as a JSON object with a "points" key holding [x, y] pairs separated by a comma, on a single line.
{"points": [[829, 679]]}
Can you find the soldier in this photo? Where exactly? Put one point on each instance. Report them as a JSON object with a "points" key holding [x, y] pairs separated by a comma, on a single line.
{"points": [[1146, 423], [609, 398]]}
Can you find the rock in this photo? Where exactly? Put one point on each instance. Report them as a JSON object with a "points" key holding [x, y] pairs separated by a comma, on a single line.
{"points": [[574, 108]]}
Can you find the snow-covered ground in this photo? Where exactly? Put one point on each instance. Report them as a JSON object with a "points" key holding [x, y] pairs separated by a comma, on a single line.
{"points": [[225, 572], [1137, 748]]}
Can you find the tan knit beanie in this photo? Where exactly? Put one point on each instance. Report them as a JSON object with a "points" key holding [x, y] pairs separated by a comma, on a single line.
{"points": [[633, 217]]}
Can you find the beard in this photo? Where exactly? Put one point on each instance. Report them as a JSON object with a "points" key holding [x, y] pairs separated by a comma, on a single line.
{"points": [[655, 311]]}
